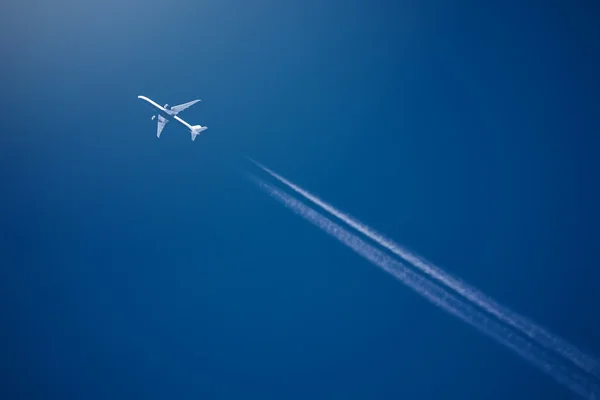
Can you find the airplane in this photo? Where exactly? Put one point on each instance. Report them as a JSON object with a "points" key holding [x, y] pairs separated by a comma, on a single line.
{"points": [[166, 114]]}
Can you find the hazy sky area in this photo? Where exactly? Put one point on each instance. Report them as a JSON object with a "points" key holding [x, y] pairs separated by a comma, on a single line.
{"points": [[133, 267]]}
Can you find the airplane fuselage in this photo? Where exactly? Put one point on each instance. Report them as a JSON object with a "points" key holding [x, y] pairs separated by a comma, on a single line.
{"points": [[160, 110]]}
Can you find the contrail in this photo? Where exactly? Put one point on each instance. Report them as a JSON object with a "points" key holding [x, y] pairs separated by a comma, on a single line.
{"points": [[440, 297], [521, 323]]}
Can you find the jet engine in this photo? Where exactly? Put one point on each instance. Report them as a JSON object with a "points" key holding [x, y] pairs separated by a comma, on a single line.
{"points": [[154, 116]]}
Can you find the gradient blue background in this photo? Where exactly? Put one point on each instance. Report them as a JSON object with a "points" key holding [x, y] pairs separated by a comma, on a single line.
{"points": [[137, 268]]}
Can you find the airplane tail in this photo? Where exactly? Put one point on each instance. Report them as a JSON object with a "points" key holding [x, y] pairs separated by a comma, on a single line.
{"points": [[196, 129]]}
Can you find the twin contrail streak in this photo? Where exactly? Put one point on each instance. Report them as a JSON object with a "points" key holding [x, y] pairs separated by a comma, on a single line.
{"points": [[440, 297], [522, 324]]}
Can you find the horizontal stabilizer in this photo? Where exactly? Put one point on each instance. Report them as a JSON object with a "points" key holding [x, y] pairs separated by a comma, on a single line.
{"points": [[196, 129]]}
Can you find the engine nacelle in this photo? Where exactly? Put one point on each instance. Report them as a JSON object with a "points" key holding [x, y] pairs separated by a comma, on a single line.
{"points": [[166, 106], [154, 116]]}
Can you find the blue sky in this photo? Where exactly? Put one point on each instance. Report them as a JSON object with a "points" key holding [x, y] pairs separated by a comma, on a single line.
{"points": [[141, 268]]}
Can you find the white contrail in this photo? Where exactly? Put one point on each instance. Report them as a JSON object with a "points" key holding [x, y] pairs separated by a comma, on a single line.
{"points": [[519, 322], [442, 298]]}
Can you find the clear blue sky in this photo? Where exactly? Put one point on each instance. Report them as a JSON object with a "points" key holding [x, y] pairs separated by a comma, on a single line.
{"points": [[141, 268]]}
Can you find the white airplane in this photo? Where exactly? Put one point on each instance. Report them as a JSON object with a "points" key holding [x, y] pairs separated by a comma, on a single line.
{"points": [[166, 114]]}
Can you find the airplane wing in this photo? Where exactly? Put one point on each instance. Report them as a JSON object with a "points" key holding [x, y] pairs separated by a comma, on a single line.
{"points": [[162, 121], [179, 108]]}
